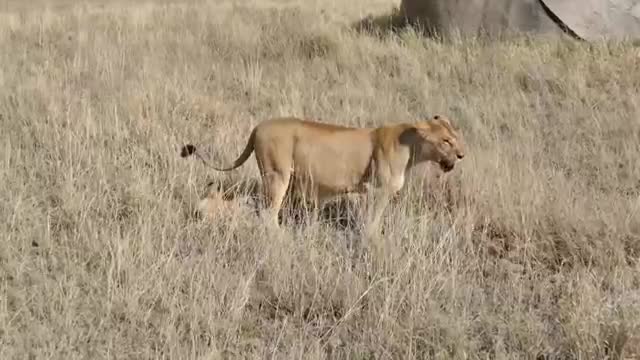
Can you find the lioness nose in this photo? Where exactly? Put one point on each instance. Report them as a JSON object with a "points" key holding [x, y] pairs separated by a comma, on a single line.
{"points": [[460, 156]]}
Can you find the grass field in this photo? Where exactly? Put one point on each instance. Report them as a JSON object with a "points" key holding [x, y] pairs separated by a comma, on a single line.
{"points": [[532, 252]]}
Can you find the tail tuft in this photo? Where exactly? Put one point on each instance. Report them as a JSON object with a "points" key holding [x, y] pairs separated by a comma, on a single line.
{"points": [[187, 150]]}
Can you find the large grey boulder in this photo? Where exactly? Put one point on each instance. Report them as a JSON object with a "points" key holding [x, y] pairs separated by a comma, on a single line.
{"points": [[586, 19]]}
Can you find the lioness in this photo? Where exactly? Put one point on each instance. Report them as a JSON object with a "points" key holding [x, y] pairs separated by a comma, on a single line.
{"points": [[325, 160]]}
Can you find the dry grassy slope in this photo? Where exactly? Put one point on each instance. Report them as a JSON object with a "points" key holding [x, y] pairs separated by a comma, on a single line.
{"points": [[538, 255]]}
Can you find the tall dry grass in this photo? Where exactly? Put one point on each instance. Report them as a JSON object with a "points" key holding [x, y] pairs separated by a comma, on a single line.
{"points": [[534, 253]]}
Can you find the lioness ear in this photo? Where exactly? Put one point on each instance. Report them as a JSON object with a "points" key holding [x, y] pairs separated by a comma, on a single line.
{"points": [[439, 117]]}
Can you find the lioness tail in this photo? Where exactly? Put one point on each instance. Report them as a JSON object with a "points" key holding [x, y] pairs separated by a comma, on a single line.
{"points": [[191, 149]]}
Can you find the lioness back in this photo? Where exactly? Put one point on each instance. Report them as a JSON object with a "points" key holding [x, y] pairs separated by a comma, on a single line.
{"points": [[304, 124]]}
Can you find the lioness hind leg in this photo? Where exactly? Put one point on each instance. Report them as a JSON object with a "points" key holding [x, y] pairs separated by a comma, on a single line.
{"points": [[275, 164], [275, 188]]}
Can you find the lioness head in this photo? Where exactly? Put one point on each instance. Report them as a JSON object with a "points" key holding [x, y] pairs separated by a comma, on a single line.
{"points": [[437, 140]]}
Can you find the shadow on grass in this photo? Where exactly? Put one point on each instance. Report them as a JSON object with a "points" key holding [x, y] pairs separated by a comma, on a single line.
{"points": [[392, 23], [341, 214]]}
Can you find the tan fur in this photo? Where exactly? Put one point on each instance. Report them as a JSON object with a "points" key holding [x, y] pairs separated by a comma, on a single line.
{"points": [[324, 160], [222, 199], [213, 206]]}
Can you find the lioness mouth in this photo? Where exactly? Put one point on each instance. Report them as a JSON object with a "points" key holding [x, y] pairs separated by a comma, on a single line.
{"points": [[446, 166]]}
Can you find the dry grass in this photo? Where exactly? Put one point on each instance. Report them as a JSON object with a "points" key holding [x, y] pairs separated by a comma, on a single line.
{"points": [[533, 254]]}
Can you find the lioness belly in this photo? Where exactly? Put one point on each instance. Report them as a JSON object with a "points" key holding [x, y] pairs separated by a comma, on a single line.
{"points": [[311, 183]]}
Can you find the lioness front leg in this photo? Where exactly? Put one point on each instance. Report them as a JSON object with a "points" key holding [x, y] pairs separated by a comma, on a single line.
{"points": [[387, 185], [381, 198], [382, 194]]}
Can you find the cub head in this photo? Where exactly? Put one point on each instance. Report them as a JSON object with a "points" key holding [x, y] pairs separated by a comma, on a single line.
{"points": [[437, 140]]}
